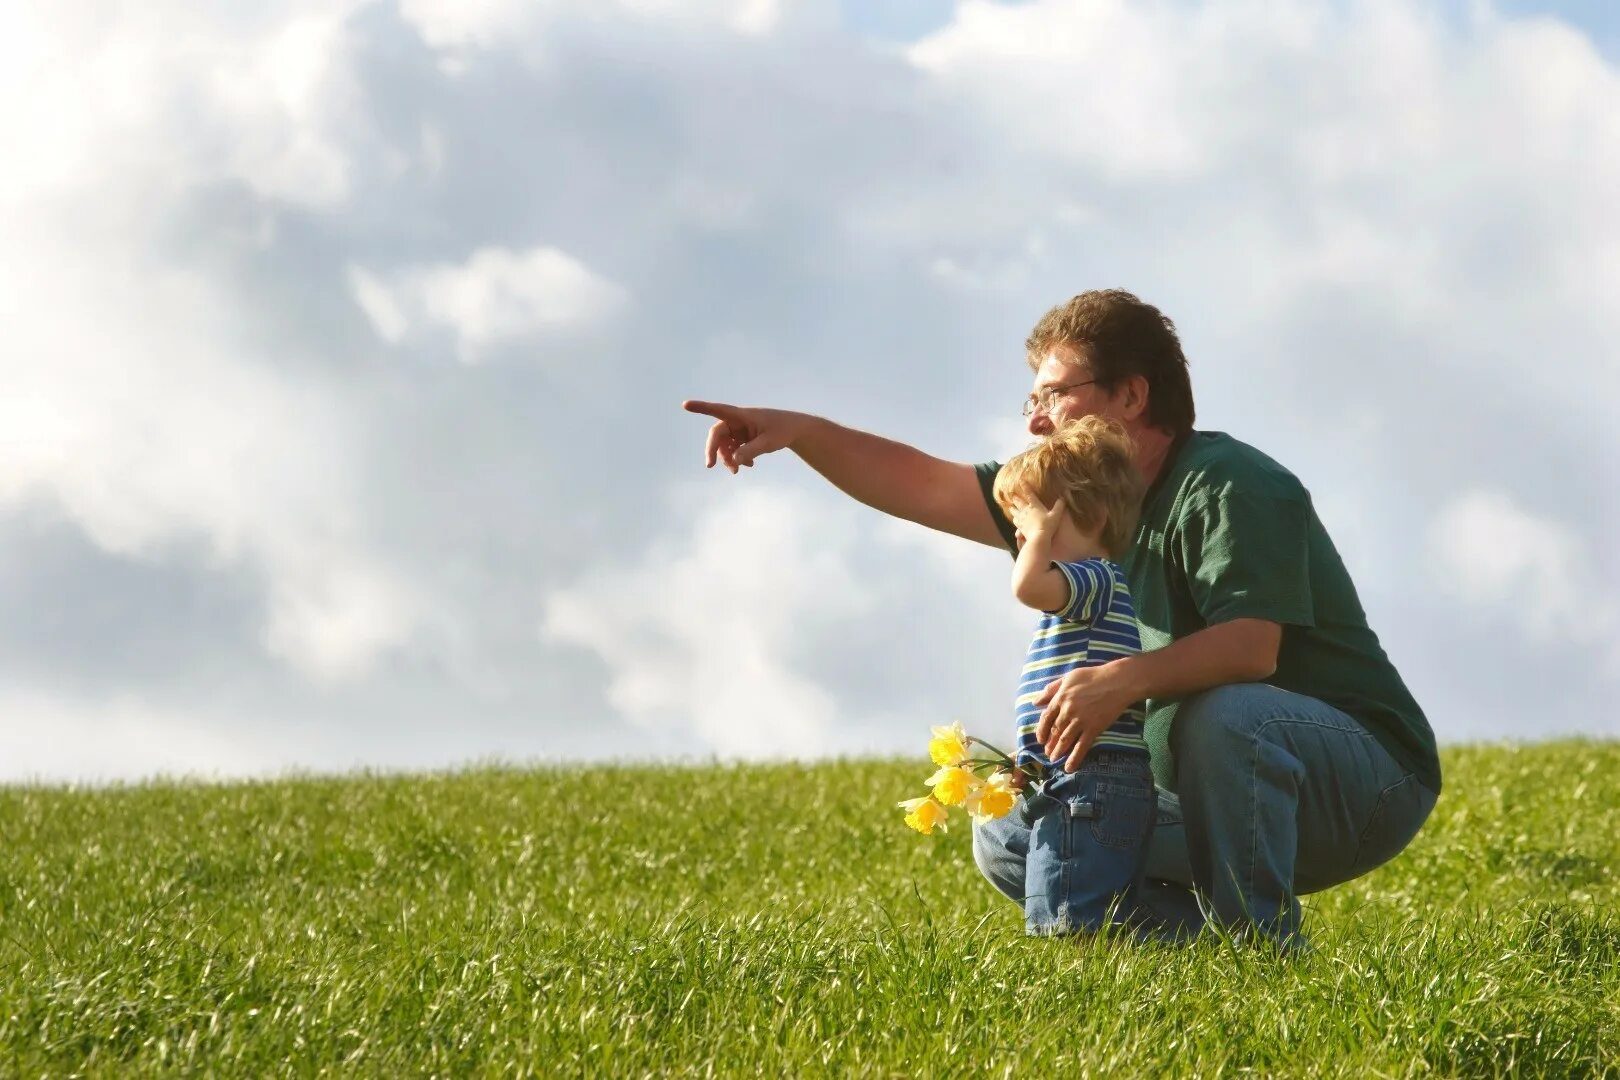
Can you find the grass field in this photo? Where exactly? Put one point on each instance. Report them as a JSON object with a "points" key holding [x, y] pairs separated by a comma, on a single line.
{"points": [[775, 920]]}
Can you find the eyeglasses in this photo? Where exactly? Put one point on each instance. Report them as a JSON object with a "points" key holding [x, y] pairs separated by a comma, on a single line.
{"points": [[1045, 399]]}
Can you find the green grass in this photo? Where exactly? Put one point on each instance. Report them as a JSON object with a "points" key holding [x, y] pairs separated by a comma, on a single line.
{"points": [[774, 920]]}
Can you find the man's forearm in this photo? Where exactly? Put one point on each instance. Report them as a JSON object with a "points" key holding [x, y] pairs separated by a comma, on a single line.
{"points": [[1243, 650], [897, 479]]}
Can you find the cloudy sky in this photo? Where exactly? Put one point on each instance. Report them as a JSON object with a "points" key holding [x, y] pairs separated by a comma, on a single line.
{"points": [[344, 341]]}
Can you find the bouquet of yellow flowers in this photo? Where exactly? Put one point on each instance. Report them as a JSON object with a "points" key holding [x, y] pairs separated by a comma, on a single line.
{"points": [[986, 787]]}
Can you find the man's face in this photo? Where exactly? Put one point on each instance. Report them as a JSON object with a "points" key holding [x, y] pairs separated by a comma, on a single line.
{"points": [[1062, 368]]}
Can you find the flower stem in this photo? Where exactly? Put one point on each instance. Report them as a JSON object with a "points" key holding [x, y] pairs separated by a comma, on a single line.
{"points": [[994, 750], [1031, 771]]}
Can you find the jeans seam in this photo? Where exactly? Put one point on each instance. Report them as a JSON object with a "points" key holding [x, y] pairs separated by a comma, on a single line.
{"points": [[1372, 819], [1254, 817], [1254, 822]]}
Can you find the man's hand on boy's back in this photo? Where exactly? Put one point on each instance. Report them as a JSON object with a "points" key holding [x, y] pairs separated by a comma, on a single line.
{"points": [[1080, 706]]}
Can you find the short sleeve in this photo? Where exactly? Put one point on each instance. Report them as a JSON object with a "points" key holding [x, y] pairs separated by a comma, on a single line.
{"points": [[986, 472], [1091, 591], [1247, 556]]}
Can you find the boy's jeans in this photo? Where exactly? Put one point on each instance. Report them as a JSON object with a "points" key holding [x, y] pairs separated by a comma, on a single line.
{"points": [[1280, 795], [1088, 831]]}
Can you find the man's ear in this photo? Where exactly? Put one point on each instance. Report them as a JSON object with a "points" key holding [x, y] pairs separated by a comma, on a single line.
{"points": [[1133, 397]]}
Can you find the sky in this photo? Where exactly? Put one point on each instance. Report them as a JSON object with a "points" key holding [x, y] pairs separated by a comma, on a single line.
{"points": [[345, 340]]}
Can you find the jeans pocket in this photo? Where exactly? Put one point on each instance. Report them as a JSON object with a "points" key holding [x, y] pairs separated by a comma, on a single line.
{"points": [[1400, 812], [1122, 812]]}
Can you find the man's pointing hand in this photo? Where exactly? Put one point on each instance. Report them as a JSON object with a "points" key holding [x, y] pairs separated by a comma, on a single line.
{"points": [[739, 436]]}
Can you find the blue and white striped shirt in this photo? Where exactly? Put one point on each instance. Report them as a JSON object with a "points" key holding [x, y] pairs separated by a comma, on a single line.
{"points": [[1097, 625]]}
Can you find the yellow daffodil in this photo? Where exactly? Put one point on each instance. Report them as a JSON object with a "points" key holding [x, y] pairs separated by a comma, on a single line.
{"points": [[923, 814], [994, 798], [949, 746], [952, 784]]}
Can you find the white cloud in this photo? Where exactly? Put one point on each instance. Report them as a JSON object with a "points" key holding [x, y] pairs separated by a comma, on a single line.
{"points": [[701, 631], [1528, 572], [133, 404], [443, 23], [1008, 273], [976, 581], [484, 24], [147, 429], [168, 95], [380, 304], [495, 297], [332, 614], [1138, 69]]}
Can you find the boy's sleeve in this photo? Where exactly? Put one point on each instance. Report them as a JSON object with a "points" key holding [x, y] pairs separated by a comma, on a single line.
{"points": [[1091, 591], [1247, 556], [986, 472]]}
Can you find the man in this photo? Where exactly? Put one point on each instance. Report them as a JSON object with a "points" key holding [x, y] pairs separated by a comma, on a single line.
{"points": [[1290, 755]]}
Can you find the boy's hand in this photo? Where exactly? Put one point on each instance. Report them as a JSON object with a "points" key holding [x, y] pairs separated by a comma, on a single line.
{"points": [[1033, 519]]}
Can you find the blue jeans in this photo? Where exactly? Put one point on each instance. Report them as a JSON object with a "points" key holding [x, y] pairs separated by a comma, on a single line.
{"points": [[1280, 795], [1088, 832]]}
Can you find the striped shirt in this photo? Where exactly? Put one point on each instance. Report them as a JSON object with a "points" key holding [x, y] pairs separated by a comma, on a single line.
{"points": [[1097, 625]]}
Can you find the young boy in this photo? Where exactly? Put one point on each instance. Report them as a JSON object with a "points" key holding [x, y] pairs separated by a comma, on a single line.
{"points": [[1073, 498]]}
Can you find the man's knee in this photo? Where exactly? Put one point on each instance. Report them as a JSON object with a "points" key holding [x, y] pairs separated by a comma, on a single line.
{"points": [[1215, 721]]}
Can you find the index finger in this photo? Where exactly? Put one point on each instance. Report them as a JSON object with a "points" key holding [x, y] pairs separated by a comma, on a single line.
{"points": [[720, 411]]}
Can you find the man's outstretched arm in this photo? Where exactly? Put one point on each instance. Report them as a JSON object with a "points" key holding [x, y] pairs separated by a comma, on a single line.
{"points": [[886, 475]]}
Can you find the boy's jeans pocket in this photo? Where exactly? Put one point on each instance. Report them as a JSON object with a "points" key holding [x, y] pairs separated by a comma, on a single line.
{"points": [[1090, 830]]}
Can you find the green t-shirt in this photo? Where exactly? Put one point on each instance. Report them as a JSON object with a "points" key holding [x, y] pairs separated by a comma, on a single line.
{"points": [[1227, 533]]}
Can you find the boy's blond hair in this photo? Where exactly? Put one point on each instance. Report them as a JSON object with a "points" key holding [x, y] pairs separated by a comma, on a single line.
{"points": [[1089, 464]]}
